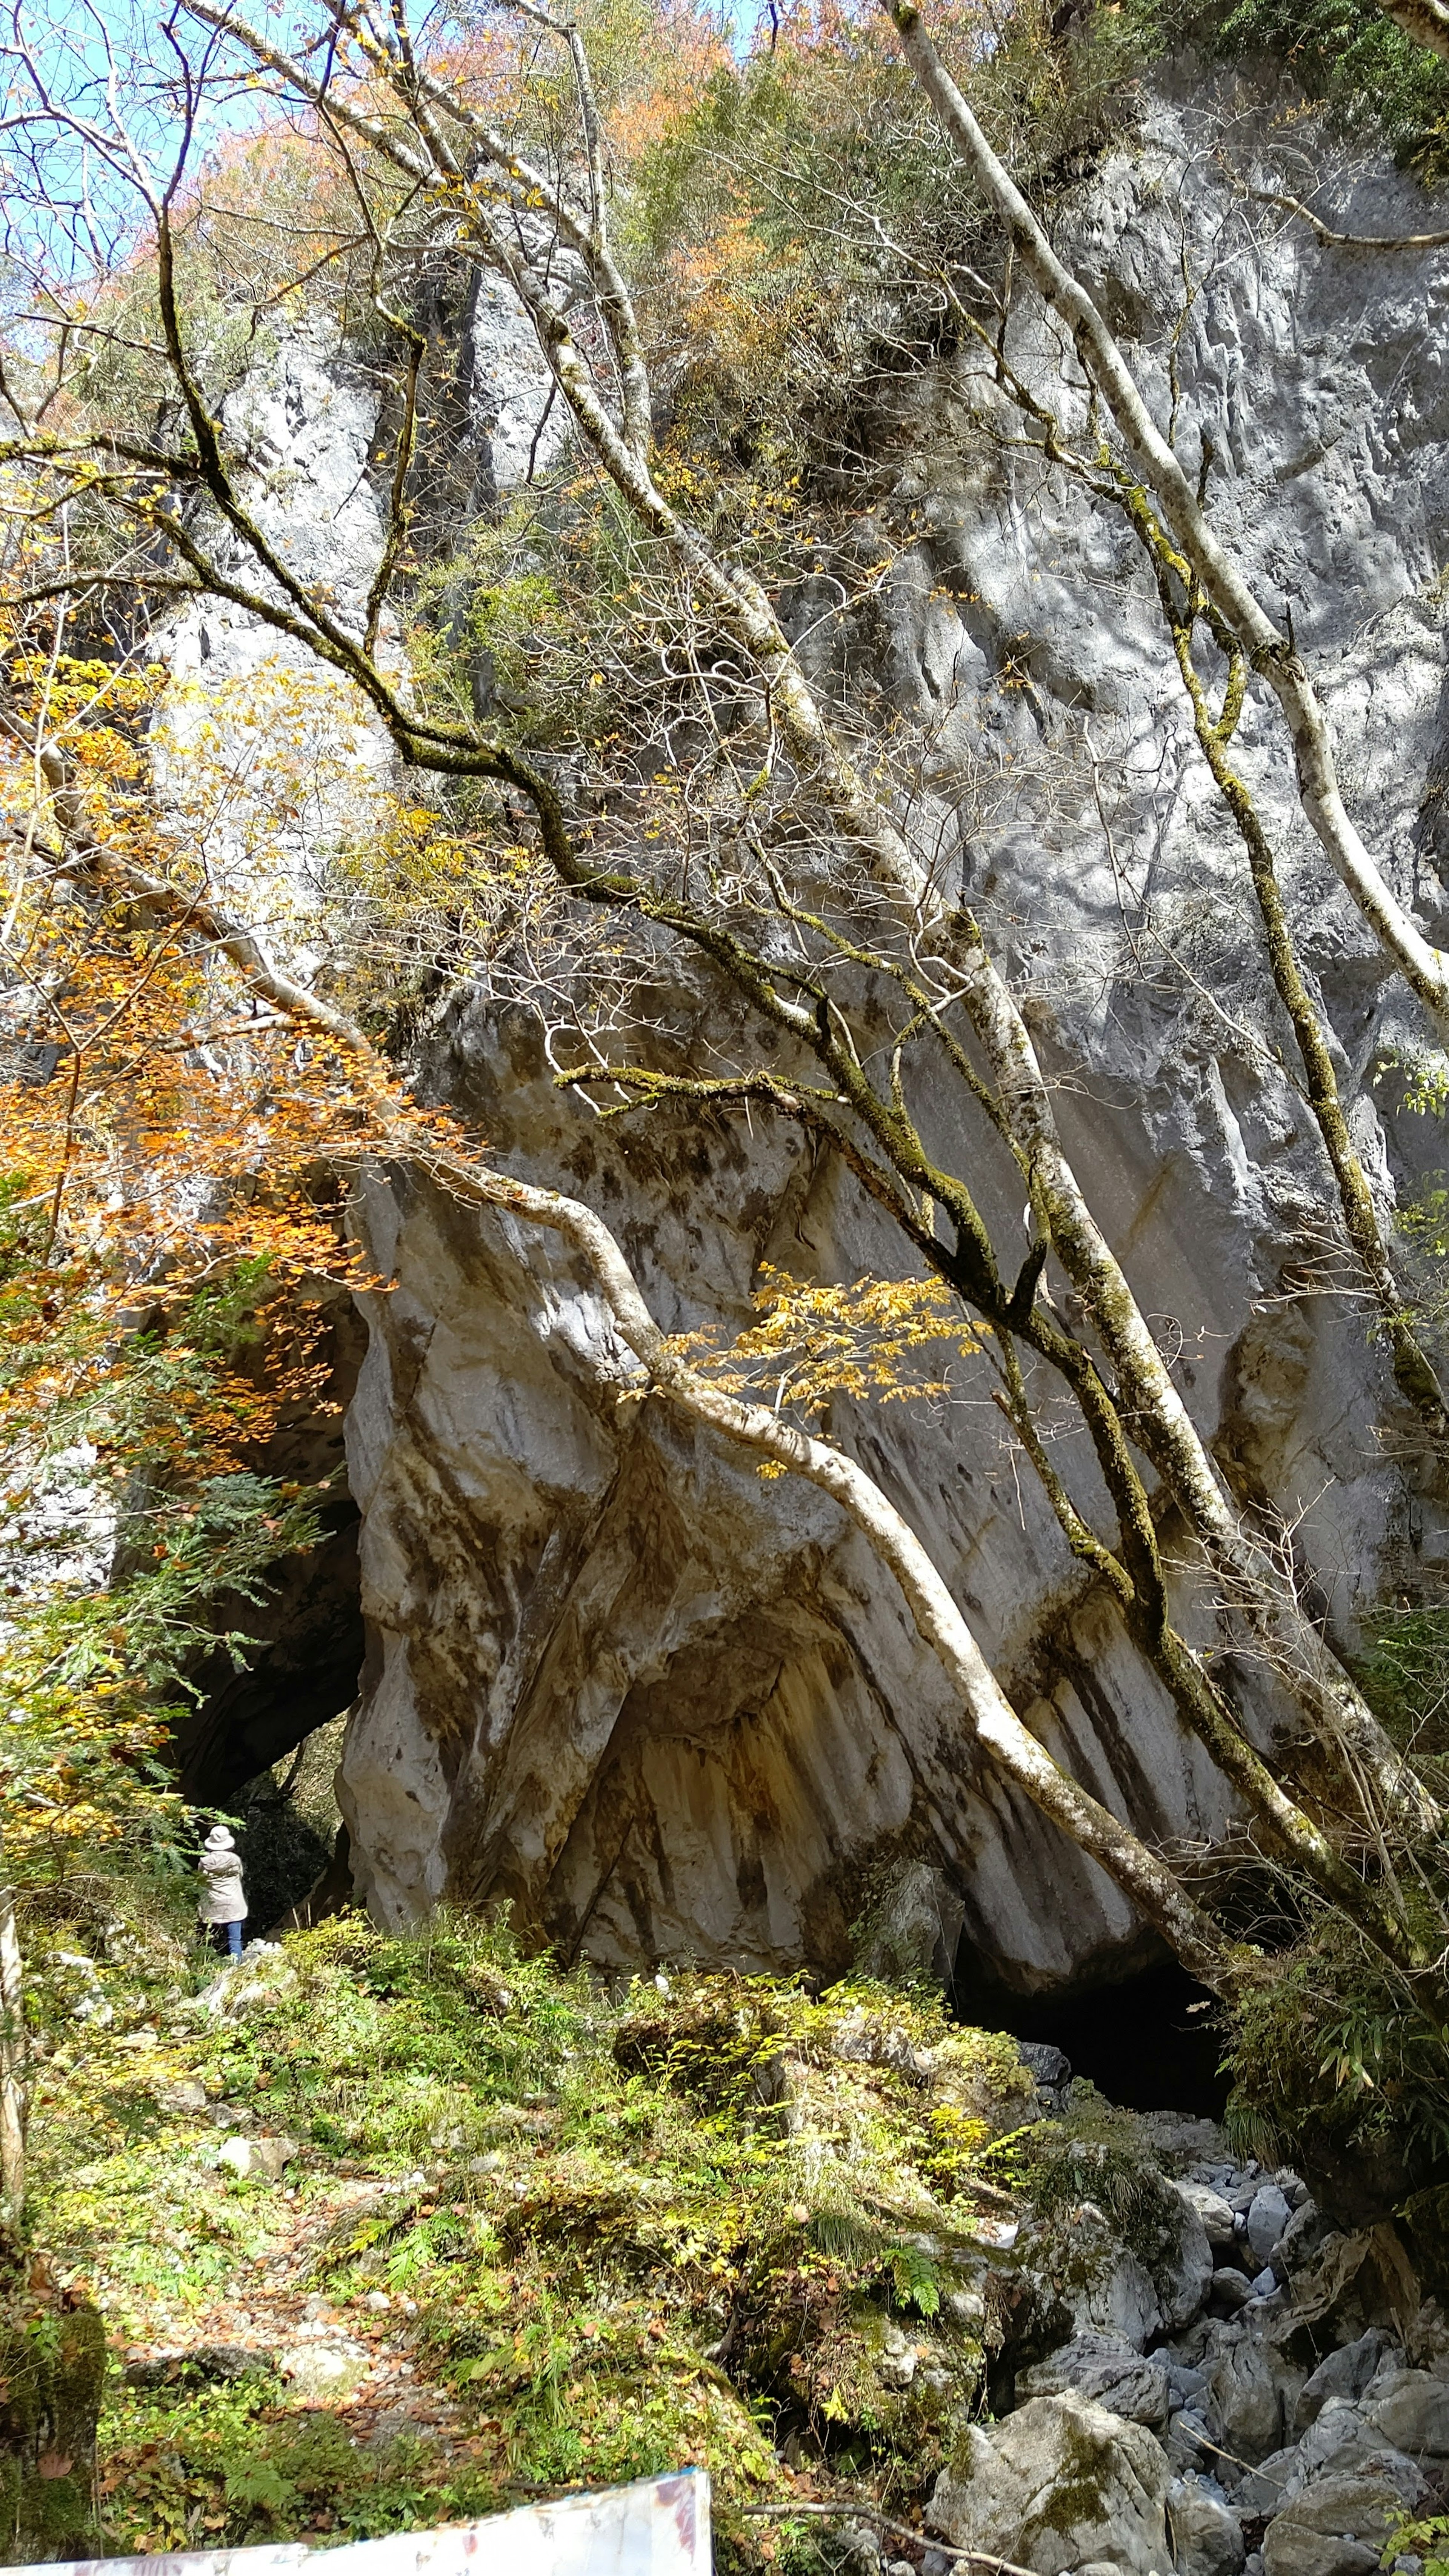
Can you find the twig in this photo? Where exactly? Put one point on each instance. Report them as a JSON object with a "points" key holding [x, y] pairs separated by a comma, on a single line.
{"points": [[1349, 241], [870, 2513]]}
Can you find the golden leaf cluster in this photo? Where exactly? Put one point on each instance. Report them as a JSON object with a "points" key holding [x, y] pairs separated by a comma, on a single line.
{"points": [[875, 1340]]}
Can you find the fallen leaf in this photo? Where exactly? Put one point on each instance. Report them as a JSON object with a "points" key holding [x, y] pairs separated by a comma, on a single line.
{"points": [[54, 2464]]}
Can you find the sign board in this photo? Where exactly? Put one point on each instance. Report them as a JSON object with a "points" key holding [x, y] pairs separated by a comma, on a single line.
{"points": [[660, 2527]]}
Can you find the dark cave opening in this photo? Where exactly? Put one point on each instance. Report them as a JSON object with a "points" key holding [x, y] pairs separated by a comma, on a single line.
{"points": [[303, 1631], [1150, 2042]]}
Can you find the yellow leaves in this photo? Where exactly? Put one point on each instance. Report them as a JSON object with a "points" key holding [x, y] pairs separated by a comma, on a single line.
{"points": [[866, 1341]]}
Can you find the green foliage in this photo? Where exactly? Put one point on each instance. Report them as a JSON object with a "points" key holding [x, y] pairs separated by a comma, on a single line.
{"points": [[224, 2467], [1372, 77], [1427, 2539], [1095, 2153], [1332, 2044], [913, 2279], [641, 2231], [131, 1504], [1405, 1674]]}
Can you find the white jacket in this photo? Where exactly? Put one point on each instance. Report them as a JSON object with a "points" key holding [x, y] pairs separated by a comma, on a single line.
{"points": [[222, 1898]]}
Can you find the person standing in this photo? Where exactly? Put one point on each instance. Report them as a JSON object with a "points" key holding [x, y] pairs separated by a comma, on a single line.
{"points": [[222, 1901]]}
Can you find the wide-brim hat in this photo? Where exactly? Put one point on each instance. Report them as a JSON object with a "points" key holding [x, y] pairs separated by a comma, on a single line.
{"points": [[220, 1839]]}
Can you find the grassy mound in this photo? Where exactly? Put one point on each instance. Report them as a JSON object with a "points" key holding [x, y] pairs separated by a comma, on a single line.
{"points": [[540, 2234]]}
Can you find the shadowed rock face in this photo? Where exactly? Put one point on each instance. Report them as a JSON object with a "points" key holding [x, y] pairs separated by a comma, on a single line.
{"points": [[673, 1709]]}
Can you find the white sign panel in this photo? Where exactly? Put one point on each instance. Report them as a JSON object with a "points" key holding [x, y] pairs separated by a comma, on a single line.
{"points": [[658, 2528]]}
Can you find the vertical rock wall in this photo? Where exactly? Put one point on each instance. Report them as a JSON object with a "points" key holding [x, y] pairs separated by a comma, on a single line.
{"points": [[672, 1709]]}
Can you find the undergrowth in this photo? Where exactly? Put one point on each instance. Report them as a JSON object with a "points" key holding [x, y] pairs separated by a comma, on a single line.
{"points": [[694, 2222]]}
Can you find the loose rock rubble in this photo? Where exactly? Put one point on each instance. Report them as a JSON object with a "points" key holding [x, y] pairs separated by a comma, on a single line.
{"points": [[1245, 2391]]}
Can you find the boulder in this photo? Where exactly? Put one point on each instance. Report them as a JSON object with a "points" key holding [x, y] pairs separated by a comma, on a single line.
{"points": [[1245, 2395], [1354, 2282], [1051, 2071], [1410, 2410], [1082, 2266], [1268, 2487], [1344, 2373], [182, 2095], [266, 2156], [1340, 2522], [1207, 2536], [1339, 2440], [1268, 2216], [1060, 2485], [321, 2372], [1189, 2444], [1230, 2287], [1108, 2372], [1183, 2274], [1214, 2212], [1305, 2234]]}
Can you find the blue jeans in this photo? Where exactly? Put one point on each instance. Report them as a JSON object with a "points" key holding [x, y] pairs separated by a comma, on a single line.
{"points": [[233, 1933]]}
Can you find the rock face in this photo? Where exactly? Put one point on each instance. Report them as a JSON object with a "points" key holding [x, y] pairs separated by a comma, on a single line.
{"points": [[1061, 2484], [672, 1709]]}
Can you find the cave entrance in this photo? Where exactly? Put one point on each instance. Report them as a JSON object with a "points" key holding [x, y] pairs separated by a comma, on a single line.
{"points": [[233, 1746], [1149, 2042]]}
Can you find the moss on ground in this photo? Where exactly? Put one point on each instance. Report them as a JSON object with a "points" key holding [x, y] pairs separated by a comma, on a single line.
{"points": [[567, 2236]]}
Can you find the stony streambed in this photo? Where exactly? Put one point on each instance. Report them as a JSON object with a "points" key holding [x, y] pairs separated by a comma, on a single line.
{"points": [[1249, 2389]]}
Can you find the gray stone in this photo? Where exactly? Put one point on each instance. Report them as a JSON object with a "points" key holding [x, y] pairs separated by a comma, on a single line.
{"points": [[182, 2095], [1183, 2276], [1185, 2384], [1215, 2213], [1051, 2067], [1268, 2216], [1230, 2287], [1269, 2486], [1105, 2287], [1339, 2440], [1206, 2534], [253, 2156], [1344, 2373], [1245, 2394], [1107, 2371], [1060, 2485], [1303, 2236], [603, 1650], [319, 2372], [1410, 2409], [1189, 2443], [1338, 2525]]}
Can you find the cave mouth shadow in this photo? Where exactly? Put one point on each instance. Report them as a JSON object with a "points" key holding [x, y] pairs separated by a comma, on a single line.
{"points": [[1150, 2041]]}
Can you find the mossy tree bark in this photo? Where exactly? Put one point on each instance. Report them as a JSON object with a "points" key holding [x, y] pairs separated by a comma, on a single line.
{"points": [[52, 2375]]}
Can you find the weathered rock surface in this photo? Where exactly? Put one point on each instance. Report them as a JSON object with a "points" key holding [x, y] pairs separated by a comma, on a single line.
{"points": [[609, 1672], [1410, 2410], [1338, 2525], [1108, 2372], [1061, 2484], [672, 1709], [1346, 2372], [1206, 2534]]}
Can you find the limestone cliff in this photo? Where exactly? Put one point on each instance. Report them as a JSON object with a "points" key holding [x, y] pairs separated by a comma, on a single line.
{"points": [[675, 1710]]}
